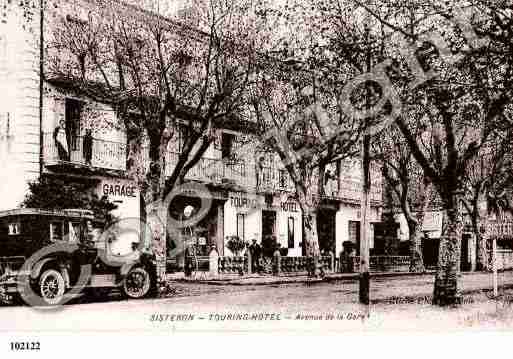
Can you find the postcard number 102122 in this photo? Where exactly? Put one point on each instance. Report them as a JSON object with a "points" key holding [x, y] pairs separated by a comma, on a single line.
{"points": [[25, 346]]}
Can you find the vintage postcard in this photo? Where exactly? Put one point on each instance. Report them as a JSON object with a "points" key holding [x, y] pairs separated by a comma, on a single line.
{"points": [[255, 166]]}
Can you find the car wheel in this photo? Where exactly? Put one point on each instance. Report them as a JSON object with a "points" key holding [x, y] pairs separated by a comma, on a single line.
{"points": [[137, 283], [51, 287]]}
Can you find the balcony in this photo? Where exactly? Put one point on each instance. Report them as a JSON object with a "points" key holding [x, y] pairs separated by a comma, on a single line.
{"points": [[268, 180], [106, 155], [218, 171], [352, 191]]}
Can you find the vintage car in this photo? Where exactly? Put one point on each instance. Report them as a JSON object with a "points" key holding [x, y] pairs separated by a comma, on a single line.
{"points": [[51, 255]]}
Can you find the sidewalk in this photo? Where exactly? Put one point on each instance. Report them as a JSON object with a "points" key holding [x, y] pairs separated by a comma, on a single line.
{"points": [[257, 279], [389, 284], [385, 288]]}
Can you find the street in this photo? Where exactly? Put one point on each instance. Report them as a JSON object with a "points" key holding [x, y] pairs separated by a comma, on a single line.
{"points": [[401, 303]]}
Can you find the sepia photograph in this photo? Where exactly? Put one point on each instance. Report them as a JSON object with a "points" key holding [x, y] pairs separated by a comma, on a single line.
{"points": [[255, 166]]}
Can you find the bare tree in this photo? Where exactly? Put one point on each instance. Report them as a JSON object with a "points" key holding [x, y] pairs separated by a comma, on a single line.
{"points": [[461, 107], [488, 178], [297, 97], [161, 74], [410, 189]]}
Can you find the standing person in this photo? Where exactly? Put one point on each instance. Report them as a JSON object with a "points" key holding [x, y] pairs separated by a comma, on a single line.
{"points": [[259, 169], [255, 251], [87, 147], [330, 183], [59, 135]]}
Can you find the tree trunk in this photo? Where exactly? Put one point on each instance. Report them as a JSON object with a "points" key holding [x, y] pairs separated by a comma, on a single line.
{"points": [[417, 261], [152, 193], [416, 235], [135, 160], [446, 291], [482, 263], [311, 237]]}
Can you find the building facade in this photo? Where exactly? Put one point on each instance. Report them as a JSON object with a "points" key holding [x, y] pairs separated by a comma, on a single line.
{"points": [[51, 127]]}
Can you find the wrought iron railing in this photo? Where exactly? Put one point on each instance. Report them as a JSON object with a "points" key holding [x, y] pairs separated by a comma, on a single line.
{"points": [[504, 259], [219, 171], [104, 154], [384, 263], [264, 178]]}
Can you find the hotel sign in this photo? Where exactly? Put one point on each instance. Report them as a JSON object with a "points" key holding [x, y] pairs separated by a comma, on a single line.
{"points": [[289, 206], [499, 229], [244, 200]]}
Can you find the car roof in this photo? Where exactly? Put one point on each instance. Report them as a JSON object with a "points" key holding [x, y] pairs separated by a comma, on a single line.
{"points": [[69, 213]]}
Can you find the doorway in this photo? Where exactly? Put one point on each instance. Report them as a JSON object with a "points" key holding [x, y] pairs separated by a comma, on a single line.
{"points": [[268, 223], [430, 248], [465, 262], [326, 230]]}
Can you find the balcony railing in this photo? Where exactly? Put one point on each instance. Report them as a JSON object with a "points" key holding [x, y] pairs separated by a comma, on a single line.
{"points": [[266, 179], [352, 190], [104, 154], [240, 173]]}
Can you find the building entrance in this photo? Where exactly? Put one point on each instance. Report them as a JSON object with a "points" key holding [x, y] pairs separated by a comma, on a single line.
{"points": [[268, 223], [326, 230]]}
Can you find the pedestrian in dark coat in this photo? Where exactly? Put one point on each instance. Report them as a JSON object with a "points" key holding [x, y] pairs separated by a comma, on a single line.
{"points": [[256, 251], [87, 146]]}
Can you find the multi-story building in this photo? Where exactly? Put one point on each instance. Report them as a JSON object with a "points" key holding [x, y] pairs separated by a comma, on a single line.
{"points": [[253, 195]]}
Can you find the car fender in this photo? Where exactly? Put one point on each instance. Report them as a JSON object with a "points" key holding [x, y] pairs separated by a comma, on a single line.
{"points": [[36, 269], [125, 268]]}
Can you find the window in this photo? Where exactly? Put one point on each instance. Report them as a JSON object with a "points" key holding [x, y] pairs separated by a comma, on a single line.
{"points": [[291, 232], [5, 125], [56, 231], [371, 236], [354, 234], [73, 108], [283, 178], [14, 228], [241, 217], [181, 134], [76, 20], [226, 145], [74, 232]]}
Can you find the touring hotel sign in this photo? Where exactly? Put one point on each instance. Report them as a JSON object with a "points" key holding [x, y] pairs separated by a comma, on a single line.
{"points": [[244, 201]]}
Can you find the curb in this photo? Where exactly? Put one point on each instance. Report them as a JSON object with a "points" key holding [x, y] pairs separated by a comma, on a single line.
{"points": [[299, 279], [305, 280]]}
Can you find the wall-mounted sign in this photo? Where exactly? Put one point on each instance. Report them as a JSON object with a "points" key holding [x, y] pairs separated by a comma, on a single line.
{"points": [[245, 201], [119, 189], [289, 206], [432, 221], [499, 229]]}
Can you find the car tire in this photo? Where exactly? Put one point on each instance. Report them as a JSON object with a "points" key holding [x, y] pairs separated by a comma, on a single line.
{"points": [[51, 287], [137, 284]]}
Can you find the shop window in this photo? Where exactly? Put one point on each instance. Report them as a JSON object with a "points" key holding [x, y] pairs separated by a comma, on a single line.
{"points": [[241, 219], [291, 232], [354, 234]]}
